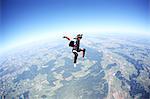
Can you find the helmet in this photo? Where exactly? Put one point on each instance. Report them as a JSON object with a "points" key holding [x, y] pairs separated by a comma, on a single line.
{"points": [[79, 36]]}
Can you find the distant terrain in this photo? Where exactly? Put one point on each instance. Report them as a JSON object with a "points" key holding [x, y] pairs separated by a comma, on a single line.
{"points": [[115, 67]]}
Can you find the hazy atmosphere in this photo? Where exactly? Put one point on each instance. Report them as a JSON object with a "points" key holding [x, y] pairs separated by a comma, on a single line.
{"points": [[43, 54], [28, 20]]}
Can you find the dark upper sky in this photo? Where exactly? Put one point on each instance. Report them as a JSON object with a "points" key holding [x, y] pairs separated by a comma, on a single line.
{"points": [[32, 19]]}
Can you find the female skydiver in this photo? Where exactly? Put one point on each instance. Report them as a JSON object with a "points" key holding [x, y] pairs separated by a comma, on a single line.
{"points": [[76, 47]]}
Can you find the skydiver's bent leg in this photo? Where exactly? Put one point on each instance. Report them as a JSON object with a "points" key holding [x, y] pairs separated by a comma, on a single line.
{"points": [[83, 50], [75, 56]]}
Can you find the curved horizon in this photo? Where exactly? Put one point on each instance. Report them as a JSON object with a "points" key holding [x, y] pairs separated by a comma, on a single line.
{"points": [[29, 20]]}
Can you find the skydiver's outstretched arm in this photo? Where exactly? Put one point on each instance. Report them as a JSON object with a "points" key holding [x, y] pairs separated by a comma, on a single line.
{"points": [[67, 38]]}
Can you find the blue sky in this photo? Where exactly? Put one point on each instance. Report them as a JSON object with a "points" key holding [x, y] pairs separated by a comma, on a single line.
{"points": [[28, 20]]}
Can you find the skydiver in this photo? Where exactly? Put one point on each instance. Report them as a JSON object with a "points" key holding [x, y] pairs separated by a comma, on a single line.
{"points": [[76, 47]]}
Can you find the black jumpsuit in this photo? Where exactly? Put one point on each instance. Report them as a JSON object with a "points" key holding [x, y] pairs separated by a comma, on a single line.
{"points": [[76, 49]]}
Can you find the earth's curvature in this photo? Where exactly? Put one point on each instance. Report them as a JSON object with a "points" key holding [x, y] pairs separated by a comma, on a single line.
{"points": [[113, 68]]}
